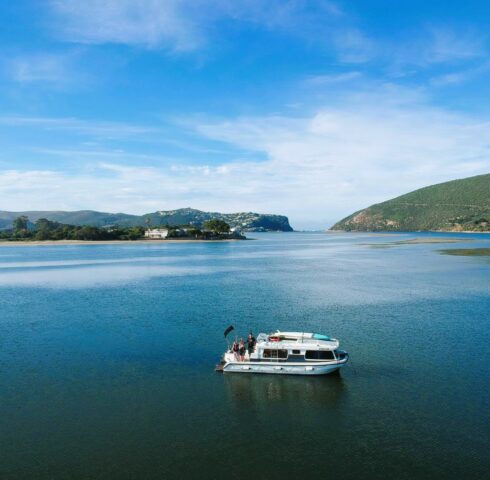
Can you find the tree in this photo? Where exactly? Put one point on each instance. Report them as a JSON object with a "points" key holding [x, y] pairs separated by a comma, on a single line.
{"points": [[45, 229], [20, 223], [88, 232], [195, 232], [135, 233], [216, 226], [43, 234]]}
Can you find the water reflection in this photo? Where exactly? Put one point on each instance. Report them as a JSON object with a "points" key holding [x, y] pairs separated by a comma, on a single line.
{"points": [[285, 389], [94, 276]]}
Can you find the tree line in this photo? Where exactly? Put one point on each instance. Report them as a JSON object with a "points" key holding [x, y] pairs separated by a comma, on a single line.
{"points": [[44, 229], [210, 230]]}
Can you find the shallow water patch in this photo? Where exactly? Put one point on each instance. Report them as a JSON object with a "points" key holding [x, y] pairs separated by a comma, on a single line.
{"points": [[466, 252]]}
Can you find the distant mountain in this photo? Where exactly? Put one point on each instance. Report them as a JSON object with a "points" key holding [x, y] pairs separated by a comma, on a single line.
{"points": [[459, 205], [81, 217], [184, 216], [247, 221]]}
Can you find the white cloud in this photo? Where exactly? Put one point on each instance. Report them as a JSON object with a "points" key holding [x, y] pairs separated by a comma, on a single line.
{"points": [[317, 168], [148, 23], [303, 17], [448, 45], [435, 46], [364, 151], [182, 25], [454, 78], [354, 46], [78, 126], [330, 79], [461, 76], [46, 68]]}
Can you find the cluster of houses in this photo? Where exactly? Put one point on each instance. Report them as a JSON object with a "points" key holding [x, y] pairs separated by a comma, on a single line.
{"points": [[163, 233], [156, 233]]}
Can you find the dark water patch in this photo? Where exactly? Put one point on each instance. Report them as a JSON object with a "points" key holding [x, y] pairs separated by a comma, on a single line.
{"points": [[418, 241], [466, 252]]}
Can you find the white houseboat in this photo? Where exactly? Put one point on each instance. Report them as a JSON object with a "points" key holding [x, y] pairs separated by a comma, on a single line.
{"points": [[293, 353]]}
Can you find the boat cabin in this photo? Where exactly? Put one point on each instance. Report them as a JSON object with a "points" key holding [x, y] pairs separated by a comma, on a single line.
{"points": [[295, 347]]}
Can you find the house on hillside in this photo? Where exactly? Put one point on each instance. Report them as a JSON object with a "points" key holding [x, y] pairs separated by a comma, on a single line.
{"points": [[156, 233]]}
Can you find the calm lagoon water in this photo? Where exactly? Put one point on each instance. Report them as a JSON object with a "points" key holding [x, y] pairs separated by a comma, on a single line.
{"points": [[107, 358]]}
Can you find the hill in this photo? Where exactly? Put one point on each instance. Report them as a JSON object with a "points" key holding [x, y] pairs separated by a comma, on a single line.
{"points": [[458, 205], [184, 216]]}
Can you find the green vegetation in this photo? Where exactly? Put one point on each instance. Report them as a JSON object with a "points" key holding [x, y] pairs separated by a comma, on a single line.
{"points": [[467, 252], [21, 223], [417, 241], [246, 221], [45, 229], [459, 205], [216, 226]]}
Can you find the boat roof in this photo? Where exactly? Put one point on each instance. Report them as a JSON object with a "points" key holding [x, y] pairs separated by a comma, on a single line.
{"points": [[296, 340]]}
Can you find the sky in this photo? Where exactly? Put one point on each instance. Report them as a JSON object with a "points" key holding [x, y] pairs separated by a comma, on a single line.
{"points": [[307, 108]]}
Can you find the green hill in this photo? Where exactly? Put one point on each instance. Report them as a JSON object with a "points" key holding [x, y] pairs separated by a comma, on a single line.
{"points": [[246, 221], [80, 217], [459, 205]]}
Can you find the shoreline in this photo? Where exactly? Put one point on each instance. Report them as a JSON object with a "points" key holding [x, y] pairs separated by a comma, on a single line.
{"points": [[51, 243], [406, 232]]}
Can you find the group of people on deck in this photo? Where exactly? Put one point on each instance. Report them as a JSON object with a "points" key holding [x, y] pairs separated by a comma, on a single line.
{"points": [[240, 347]]}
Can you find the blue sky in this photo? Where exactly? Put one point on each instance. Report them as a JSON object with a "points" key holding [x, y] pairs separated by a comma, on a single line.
{"points": [[312, 109]]}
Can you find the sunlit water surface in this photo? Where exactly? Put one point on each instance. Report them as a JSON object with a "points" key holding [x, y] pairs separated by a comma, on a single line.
{"points": [[107, 357]]}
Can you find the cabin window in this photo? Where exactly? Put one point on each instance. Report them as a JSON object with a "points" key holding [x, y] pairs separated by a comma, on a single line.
{"points": [[274, 353], [319, 355]]}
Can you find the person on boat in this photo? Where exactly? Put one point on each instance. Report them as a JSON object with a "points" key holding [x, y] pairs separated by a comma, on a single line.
{"points": [[235, 349], [241, 350], [251, 344]]}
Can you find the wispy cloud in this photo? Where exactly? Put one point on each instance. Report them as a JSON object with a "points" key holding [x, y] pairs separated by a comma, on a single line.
{"points": [[94, 128], [460, 76], [447, 45], [435, 46], [312, 18], [354, 46], [148, 23], [59, 70], [84, 140], [330, 79], [185, 26], [363, 151], [182, 26], [367, 148]]}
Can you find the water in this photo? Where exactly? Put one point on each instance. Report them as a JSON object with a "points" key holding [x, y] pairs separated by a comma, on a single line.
{"points": [[107, 356]]}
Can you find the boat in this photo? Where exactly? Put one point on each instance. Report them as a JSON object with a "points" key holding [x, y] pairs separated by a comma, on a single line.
{"points": [[287, 353]]}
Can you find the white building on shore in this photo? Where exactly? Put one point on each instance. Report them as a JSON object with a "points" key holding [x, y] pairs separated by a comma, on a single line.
{"points": [[156, 233]]}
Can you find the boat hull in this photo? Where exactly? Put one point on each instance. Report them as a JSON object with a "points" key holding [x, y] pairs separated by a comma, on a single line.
{"points": [[284, 368]]}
